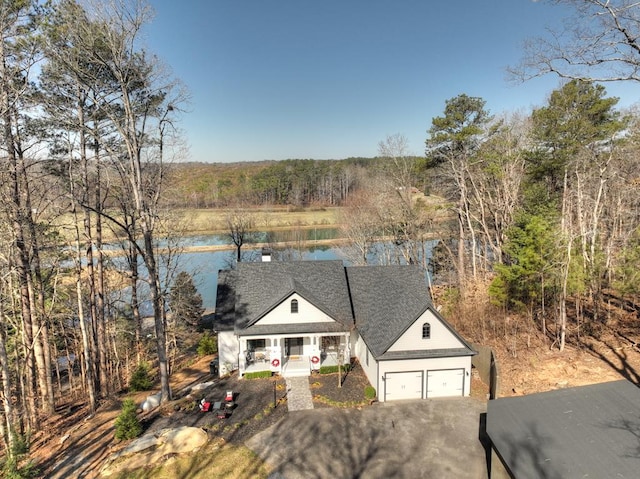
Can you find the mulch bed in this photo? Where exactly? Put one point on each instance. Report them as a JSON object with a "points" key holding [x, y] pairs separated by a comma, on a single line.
{"points": [[327, 393], [254, 411]]}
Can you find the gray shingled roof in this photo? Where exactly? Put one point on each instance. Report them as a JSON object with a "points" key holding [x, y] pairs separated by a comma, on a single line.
{"points": [[386, 301], [225, 315], [261, 286], [588, 431]]}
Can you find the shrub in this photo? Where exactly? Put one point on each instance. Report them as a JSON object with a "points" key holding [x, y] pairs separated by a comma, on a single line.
{"points": [[141, 379], [334, 369], [10, 469], [370, 392], [10, 466], [208, 344], [258, 374], [127, 424]]}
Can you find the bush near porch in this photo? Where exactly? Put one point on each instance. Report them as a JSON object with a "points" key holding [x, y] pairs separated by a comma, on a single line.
{"points": [[257, 375]]}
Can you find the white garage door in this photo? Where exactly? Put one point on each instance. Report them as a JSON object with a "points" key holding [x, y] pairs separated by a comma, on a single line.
{"points": [[445, 383], [403, 385]]}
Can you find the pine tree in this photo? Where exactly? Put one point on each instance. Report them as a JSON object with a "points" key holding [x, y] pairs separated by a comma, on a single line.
{"points": [[184, 300]]}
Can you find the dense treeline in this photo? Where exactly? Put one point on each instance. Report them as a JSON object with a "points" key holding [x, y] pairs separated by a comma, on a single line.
{"points": [[301, 182]]}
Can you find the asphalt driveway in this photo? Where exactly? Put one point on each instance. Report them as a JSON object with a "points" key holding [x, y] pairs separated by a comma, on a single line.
{"points": [[437, 438]]}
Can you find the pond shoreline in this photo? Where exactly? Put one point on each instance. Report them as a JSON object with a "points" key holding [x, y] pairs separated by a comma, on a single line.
{"points": [[247, 246]]}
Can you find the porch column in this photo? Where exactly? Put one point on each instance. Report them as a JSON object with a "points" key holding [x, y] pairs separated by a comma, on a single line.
{"points": [[242, 357], [347, 347]]}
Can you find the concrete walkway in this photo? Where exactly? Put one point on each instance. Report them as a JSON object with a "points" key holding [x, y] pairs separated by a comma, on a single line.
{"points": [[299, 394]]}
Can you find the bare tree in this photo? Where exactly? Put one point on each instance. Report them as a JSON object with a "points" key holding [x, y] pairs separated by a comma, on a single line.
{"points": [[599, 41], [452, 145], [240, 223], [361, 224]]}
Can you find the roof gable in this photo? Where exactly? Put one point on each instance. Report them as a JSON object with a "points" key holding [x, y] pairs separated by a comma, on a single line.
{"points": [[442, 335], [260, 287], [282, 313], [387, 301]]}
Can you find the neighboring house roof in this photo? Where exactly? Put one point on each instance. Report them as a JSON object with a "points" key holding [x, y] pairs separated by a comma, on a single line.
{"points": [[258, 287], [387, 300], [587, 431]]}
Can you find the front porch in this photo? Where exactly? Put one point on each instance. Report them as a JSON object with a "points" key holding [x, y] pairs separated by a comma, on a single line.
{"points": [[292, 356]]}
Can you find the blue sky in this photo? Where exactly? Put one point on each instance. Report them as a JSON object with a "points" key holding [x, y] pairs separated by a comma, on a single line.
{"points": [[330, 79]]}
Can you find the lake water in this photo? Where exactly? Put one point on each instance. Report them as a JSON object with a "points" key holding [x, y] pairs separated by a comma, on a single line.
{"points": [[204, 266]]}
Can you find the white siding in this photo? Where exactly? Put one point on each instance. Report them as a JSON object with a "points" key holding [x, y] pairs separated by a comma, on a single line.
{"points": [[425, 365], [228, 351], [307, 313], [371, 369], [441, 336]]}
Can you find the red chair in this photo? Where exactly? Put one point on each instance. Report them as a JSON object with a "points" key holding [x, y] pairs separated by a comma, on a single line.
{"points": [[205, 406]]}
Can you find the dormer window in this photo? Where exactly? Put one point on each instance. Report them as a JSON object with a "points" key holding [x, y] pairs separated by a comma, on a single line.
{"points": [[426, 331], [294, 306]]}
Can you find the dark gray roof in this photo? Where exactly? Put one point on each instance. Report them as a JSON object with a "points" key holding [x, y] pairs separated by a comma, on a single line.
{"points": [[386, 301], [588, 431], [225, 315], [258, 287]]}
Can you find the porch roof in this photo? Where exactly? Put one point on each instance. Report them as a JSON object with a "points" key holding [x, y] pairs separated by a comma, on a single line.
{"points": [[294, 328]]}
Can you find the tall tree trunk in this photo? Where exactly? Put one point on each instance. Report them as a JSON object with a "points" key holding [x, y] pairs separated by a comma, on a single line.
{"points": [[21, 251], [42, 349], [158, 304], [87, 335], [8, 419]]}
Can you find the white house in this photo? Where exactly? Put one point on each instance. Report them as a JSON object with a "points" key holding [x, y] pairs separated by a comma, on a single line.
{"points": [[294, 317]]}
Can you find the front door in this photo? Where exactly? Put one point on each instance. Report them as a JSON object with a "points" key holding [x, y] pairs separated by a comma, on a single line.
{"points": [[293, 346]]}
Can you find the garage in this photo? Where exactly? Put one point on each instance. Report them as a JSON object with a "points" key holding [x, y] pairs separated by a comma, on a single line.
{"points": [[445, 383], [403, 385]]}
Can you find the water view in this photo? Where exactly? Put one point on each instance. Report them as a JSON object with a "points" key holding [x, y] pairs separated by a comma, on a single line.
{"points": [[203, 266]]}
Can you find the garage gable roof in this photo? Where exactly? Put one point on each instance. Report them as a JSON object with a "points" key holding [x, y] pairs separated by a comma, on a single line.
{"points": [[387, 300], [261, 286], [587, 431]]}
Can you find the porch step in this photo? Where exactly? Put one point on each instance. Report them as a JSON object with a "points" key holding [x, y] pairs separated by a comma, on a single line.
{"points": [[296, 367], [296, 373]]}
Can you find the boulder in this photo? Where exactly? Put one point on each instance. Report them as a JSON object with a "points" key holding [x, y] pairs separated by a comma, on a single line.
{"points": [[151, 402]]}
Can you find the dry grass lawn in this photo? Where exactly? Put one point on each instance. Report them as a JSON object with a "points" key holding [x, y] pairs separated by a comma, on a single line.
{"points": [[210, 221], [214, 461]]}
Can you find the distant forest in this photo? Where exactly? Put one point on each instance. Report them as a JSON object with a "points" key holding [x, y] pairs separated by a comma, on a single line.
{"points": [[296, 182]]}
